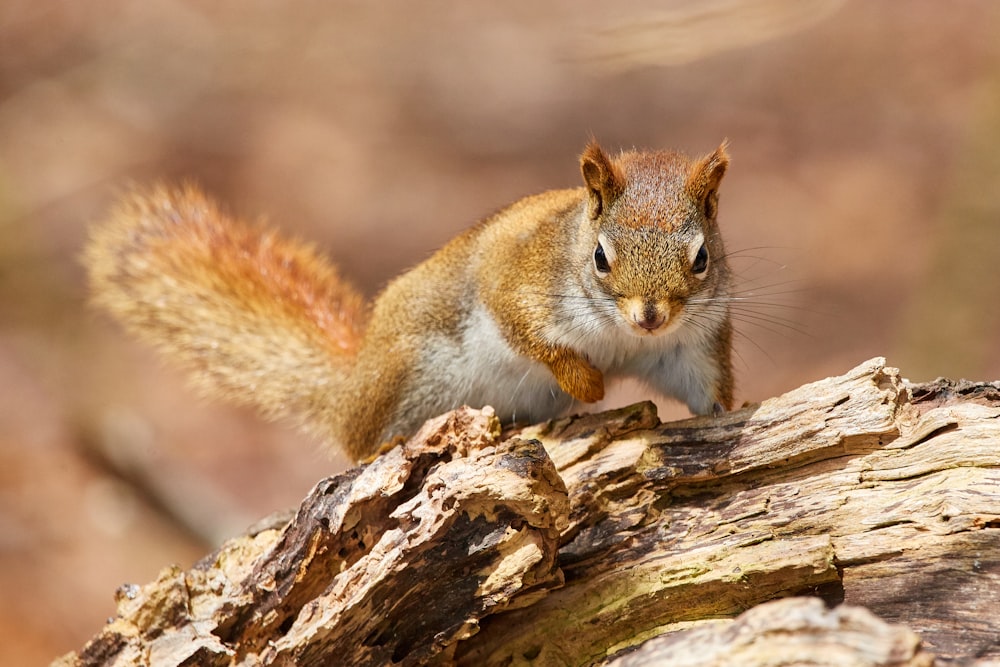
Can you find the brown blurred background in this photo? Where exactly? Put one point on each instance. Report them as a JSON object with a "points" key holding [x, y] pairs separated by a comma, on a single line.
{"points": [[863, 200]]}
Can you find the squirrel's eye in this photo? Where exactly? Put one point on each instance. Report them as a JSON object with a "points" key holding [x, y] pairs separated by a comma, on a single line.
{"points": [[700, 263], [601, 260]]}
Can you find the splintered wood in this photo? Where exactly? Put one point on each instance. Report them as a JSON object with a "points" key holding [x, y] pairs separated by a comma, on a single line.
{"points": [[616, 539]]}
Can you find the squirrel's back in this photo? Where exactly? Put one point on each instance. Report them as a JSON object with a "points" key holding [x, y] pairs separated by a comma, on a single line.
{"points": [[260, 320], [433, 343]]}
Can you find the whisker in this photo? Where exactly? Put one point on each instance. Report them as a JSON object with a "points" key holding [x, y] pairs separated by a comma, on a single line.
{"points": [[745, 302], [737, 253], [517, 390], [751, 341], [779, 329], [749, 287], [750, 313], [750, 316]]}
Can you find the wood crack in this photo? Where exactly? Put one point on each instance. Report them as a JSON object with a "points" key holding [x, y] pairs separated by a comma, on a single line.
{"points": [[602, 538]]}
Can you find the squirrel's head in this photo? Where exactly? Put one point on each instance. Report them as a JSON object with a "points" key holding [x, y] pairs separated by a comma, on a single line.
{"points": [[653, 238]]}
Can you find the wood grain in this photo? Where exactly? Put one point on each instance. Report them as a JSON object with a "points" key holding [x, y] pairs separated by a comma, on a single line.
{"points": [[605, 538]]}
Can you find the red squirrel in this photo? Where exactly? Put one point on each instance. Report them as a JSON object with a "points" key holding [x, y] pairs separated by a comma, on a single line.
{"points": [[527, 311]]}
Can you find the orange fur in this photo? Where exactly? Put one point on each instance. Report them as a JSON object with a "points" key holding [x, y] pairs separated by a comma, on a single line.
{"points": [[259, 319], [512, 313]]}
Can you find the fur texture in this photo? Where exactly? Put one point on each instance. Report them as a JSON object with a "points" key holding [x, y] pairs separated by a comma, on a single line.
{"points": [[527, 311]]}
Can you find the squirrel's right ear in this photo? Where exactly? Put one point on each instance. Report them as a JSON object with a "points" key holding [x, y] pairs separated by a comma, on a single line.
{"points": [[602, 177], [703, 181]]}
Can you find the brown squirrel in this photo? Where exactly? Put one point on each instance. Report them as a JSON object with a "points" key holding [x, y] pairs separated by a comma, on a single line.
{"points": [[526, 311]]}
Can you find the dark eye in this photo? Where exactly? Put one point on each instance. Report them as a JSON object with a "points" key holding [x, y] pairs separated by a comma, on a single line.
{"points": [[601, 260], [700, 264]]}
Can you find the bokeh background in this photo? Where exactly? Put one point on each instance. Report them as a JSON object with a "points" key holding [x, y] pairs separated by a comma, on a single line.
{"points": [[863, 202]]}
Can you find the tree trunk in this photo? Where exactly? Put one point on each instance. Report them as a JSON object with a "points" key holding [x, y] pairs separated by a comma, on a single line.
{"points": [[616, 539]]}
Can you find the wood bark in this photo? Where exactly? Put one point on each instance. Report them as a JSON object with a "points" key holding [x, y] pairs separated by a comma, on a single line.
{"points": [[616, 539]]}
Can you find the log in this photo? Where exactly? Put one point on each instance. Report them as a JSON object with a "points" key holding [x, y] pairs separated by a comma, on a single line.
{"points": [[852, 521]]}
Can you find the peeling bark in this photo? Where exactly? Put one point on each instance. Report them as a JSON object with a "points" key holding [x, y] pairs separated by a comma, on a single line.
{"points": [[616, 538]]}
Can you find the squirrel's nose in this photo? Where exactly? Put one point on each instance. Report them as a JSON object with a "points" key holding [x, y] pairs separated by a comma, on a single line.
{"points": [[650, 323], [647, 316]]}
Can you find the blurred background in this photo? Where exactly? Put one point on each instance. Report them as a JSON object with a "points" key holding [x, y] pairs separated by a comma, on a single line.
{"points": [[862, 204]]}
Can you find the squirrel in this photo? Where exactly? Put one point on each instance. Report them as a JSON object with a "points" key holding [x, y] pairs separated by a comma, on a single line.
{"points": [[527, 311]]}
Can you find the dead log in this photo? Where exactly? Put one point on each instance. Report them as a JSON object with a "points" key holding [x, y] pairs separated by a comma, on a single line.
{"points": [[614, 538]]}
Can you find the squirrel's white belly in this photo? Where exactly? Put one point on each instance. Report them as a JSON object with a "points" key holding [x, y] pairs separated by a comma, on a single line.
{"points": [[482, 369]]}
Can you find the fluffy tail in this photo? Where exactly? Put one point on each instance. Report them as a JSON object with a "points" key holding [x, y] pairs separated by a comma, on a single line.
{"points": [[258, 319]]}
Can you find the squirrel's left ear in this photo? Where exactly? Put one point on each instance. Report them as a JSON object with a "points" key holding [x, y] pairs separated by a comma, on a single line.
{"points": [[706, 174], [602, 177]]}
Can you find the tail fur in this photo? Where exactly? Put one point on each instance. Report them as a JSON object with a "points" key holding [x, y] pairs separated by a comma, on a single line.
{"points": [[258, 319]]}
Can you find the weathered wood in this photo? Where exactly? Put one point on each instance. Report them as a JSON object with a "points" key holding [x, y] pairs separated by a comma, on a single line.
{"points": [[473, 547], [799, 631]]}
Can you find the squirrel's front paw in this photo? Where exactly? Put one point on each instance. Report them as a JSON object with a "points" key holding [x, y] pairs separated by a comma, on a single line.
{"points": [[578, 378]]}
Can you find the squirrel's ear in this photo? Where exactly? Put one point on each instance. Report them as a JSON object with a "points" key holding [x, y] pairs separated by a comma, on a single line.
{"points": [[706, 174], [603, 179]]}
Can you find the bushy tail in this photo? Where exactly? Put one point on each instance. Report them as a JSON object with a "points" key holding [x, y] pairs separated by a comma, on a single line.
{"points": [[258, 319]]}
